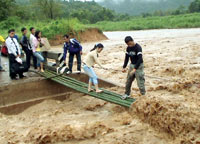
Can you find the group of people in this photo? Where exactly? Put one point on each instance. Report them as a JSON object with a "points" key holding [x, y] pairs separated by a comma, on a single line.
{"points": [[136, 68], [32, 48], [133, 53]]}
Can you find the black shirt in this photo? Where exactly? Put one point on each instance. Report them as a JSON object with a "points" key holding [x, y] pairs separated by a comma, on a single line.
{"points": [[25, 43], [135, 55]]}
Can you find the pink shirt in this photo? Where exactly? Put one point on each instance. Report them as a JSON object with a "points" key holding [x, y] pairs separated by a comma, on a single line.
{"points": [[36, 43]]}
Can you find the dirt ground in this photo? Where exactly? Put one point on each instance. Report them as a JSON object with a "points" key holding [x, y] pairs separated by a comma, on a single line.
{"points": [[88, 35], [168, 114]]}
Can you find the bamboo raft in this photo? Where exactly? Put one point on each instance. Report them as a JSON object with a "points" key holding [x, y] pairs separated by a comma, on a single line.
{"points": [[82, 87]]}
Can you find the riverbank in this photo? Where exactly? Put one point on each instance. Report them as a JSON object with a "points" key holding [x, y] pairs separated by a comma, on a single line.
{"points": [[156, 22]]}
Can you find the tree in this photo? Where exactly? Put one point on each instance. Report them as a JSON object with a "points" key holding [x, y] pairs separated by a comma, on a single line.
{"points": [[194, 6], [6, 8], [139, 7], [50, 8]]}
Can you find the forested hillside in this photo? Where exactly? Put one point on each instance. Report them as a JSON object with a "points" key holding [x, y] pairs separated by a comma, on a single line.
{"points": [[138, 7]]}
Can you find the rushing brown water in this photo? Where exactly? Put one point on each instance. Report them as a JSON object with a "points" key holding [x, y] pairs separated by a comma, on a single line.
{"points": [[168, 114]]}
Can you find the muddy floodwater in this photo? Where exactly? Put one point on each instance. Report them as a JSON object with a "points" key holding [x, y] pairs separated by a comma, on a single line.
{"points": [[168, 114]]}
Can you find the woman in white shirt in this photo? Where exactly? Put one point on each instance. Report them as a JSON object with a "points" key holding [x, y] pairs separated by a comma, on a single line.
{"points": [[90, 60]]}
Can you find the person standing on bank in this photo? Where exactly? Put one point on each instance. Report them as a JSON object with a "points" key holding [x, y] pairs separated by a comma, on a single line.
{"points": [[90, 60], [3, 41], [14, 55], [26, 47], [32, 38], [136, 68], [37, 44], [74, 48]]}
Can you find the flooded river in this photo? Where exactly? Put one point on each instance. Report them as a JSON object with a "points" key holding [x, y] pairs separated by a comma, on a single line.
{"points": [[168, 114]]}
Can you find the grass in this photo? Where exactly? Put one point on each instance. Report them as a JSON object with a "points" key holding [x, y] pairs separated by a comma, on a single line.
{"points": [[52, 28], [49, 29], [165, 22]]}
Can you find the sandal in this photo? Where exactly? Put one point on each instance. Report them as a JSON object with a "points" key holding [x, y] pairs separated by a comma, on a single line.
{"points": [[100, 91], [91, 90]]}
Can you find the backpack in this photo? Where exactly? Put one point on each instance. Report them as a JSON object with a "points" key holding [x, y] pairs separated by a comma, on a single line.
{"points": [[75, 42], [18, 68], [4, 51], [62, 70]]}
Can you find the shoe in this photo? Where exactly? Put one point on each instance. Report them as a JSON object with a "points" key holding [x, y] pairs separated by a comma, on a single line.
{"points": [[22, 76], [125, 96], [91, 90], [100, 91], [63, 69], [69, 72], [79, 72], [14, 78], [2, 70], [143, 93], [57, 70]]}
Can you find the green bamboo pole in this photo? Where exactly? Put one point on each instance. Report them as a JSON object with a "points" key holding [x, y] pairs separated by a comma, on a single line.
{"points": [[107, 94], [71, 85], [105, 91], [85, 91]]}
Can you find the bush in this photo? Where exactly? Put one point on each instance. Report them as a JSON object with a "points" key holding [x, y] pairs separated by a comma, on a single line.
{"points": [[48, 28], [11, 22]]}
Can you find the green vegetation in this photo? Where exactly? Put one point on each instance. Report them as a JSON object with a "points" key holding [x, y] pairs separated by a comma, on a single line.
{"points": [[194, 6], [140, 23], [6, 8], [58, 17], [49, 28], [86, 12], [52, 17]]}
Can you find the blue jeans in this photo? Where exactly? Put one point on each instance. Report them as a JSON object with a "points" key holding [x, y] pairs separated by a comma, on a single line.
{"points": [[90, 72], [40, 58]]}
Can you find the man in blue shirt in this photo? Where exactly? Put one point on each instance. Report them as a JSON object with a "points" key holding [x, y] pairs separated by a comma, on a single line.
{"points": [[74, 48]]}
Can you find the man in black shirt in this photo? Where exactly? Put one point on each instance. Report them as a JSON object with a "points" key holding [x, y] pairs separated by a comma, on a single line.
{"points": [[136, 69], [26, 46]]}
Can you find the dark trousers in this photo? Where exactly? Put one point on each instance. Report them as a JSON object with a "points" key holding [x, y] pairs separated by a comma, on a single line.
{"points": [[29, 54], [71, 59], [12, 62], [139, 76]]}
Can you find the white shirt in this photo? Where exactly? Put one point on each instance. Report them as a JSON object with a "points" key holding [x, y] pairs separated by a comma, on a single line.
{"points": [[32, 38], [13, 46]]}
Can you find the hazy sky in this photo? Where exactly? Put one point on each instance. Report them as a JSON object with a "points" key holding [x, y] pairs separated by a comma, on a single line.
{"points": [[122, 0]]}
